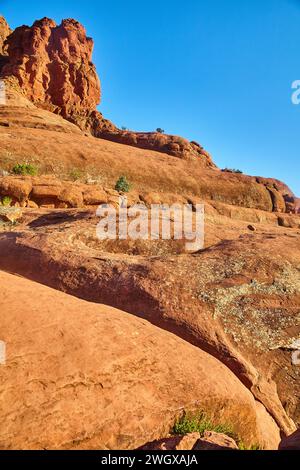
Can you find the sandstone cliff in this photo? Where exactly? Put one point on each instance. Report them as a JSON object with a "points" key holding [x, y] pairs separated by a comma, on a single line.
{"points": [[53, 66], [4, 33]]}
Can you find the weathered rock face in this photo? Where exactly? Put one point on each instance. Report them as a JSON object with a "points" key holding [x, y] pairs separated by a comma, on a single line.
{"points": [[4, 33], [45, 190], [238, 300], [170, 144], [86, 376], [53, 66]]}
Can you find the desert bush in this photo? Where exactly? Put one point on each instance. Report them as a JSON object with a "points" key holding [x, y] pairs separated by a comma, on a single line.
{"points": [[123, 185], [25, 169], [193, 142], [199, 422], [6, 201], [160, 130], [242, 446], [232, 170], [76, 174]]}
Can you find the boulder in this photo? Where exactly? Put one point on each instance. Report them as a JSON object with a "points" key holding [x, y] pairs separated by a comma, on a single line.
{"points": [[46, 190], [94, 196], [180, 443], [71, 195], [16, 188], [215, 441], [80, 375], [10, 214], [32, 205], [151, 198], [288, 221], [193, 441]]}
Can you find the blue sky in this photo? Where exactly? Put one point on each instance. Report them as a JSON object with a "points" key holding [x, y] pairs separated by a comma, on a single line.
{"points": [[219, 72]]}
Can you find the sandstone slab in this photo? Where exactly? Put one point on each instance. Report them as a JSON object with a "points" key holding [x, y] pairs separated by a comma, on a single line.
{"points": [[84, 376]]}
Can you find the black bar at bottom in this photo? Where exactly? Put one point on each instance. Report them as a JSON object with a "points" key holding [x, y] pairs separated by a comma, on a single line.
{"points": [[134, 459]]}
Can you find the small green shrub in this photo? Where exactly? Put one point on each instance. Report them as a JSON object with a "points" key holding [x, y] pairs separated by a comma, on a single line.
{"points": [[232, 170], [6, 201], [76, 174], [160, 130], [242, 446], [25, 169], [199, 422], [123, 185]]}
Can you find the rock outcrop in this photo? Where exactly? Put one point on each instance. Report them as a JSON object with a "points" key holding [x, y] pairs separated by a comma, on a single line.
{"points": [[5, 31], [53, 66], [58, 193], [170, 144], [85, 376], [10, 214]]}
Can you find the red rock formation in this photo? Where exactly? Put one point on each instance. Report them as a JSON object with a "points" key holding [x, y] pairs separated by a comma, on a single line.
{"points": [[171, 144], [53, 66], [4, 33]]}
